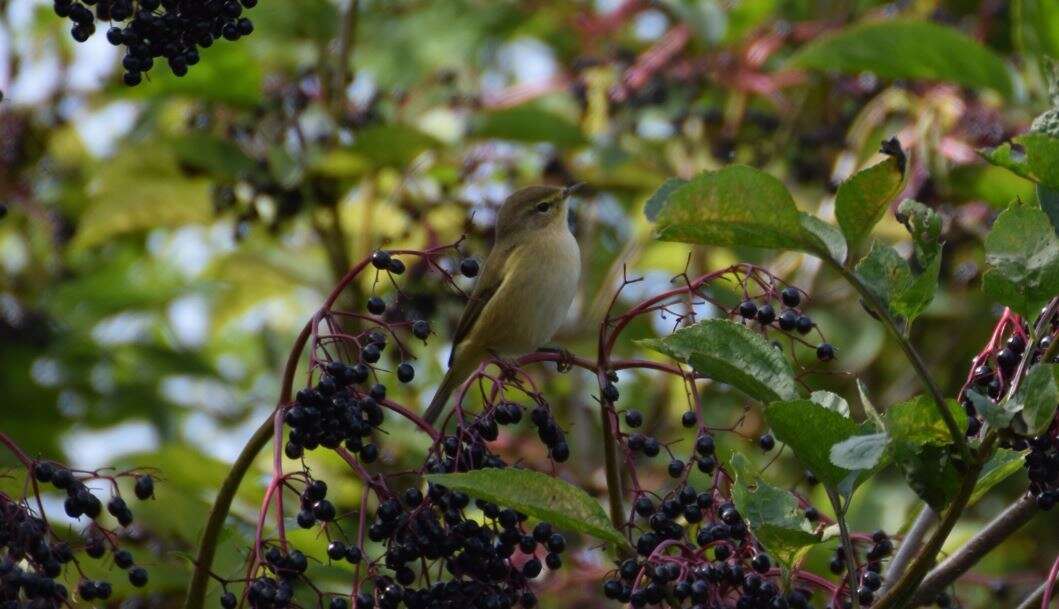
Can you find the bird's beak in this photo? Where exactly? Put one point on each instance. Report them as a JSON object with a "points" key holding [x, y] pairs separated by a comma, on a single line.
{"points": [[569, 190]]}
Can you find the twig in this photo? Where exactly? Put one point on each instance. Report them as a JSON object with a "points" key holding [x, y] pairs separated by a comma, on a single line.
{"points": [[1033, 600], [994, 533], [906, 586], [346, 39], [200, 578], [847, 546], [926, 519]]}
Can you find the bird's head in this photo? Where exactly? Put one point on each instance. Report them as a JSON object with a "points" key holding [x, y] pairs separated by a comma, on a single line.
{"points": [[533, 208]]}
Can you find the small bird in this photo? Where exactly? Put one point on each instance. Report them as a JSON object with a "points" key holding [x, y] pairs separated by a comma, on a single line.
{"points": [[525, 288]]}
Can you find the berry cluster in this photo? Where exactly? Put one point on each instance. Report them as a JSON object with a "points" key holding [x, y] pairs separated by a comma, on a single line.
{"points": [[790, 319], [994, 370], [154, 29], [424, 530], [33, 557], [869, 572]]}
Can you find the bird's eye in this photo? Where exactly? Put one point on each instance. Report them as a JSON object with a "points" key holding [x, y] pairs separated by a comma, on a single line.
{"points": [[543, 207]]}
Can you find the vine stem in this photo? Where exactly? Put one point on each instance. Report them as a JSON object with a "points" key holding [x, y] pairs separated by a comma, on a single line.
{"points": [[196, 595], [847, 545], [883, 313], [22, 457]]}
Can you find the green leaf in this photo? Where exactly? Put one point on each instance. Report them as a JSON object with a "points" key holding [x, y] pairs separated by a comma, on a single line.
{"points": [[773, 514], [1049, 198], [889, 277], [529, 123], [743, 206], [1036, 399], [1037, 26], [822, 239], [869, 408], [996, 415], [227, 73], [392, 145], [1009, 158], [538, 495], [860, 452], [917, 422], [1022, 251], [218, 156], [660, 197], [903, 48], [246, 279], [731, 353], [1042, 156], [862, 200], [1000, 466], [831, 401], [932, 475], [139, 190], [811, 430]]}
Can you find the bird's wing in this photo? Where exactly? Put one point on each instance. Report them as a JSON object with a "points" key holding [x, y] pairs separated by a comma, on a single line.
{"points": [[487, 285]]}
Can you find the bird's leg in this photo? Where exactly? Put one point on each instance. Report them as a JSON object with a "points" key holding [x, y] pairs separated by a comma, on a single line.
{"points": [[566, 358], [508, 368]]}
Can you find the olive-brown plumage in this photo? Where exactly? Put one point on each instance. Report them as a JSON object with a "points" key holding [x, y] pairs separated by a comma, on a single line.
{"points": [[525, 288]]}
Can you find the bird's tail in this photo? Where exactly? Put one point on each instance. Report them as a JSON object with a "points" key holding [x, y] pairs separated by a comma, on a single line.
{"points": [[460, 369]]}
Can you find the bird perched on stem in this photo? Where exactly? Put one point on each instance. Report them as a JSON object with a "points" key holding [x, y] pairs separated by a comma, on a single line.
{"points": [[524, 290]]}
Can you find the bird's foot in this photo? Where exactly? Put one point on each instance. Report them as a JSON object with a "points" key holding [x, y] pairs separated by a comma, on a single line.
{"points": [[508, 368], [566, 358]]}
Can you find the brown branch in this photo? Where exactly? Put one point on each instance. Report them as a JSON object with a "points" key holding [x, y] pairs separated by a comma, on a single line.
{"points": [[1000, 528]]}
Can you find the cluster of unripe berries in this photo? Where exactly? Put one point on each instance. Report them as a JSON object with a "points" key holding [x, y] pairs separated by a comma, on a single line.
{"points": [[33, 558], [789, 319], [172, 30]]}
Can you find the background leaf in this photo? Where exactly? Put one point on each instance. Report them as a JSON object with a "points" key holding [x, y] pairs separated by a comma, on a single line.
{"points": [[529, 123], [908, 49], [139, 190]]}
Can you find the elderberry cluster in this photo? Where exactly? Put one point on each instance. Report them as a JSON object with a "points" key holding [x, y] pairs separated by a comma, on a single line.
{"points": [[790, 319], [33, 558], [487, 553], [157, 29], [489, 563], [994, 372], [869, 572]]}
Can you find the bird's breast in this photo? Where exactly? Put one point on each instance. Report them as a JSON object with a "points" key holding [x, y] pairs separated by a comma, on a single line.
{"points": [[540, 282]]}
